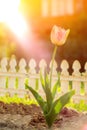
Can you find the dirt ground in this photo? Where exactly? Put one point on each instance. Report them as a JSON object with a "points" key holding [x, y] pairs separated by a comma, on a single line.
{"points": [[29, 117]]}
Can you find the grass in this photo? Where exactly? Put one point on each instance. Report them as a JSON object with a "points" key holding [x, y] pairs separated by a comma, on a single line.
{"points": [[16, 99], [81, 106]]}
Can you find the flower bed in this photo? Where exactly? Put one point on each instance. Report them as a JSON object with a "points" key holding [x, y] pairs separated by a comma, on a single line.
{"points": [[29, 117]]}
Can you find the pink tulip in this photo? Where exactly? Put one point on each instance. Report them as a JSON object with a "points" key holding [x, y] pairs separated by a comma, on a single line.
{"points": [[59, 35]]}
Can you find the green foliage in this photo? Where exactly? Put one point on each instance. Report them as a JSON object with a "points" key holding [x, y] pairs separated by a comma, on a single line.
{"points": [[6, 82], [50, 107], [16, 83], [56, 86], [36, 88], [81, 106], [16, 99], [82, 91]]}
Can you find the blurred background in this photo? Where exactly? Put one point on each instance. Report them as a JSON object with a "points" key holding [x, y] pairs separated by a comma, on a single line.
{"points": [[40, 16]]}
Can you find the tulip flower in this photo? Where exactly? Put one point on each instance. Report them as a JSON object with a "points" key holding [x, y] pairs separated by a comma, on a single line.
{"points": [[51, 107], [59, 35]]}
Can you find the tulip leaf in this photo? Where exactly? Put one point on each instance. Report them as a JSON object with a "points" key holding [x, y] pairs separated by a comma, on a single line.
{"points": [[48, 93], [42, 82], [46, 87], [55, 87], [38, 98], [57, 107]]}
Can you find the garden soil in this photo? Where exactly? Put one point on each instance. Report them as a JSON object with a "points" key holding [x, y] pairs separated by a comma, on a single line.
{"points": [[30, 117]]}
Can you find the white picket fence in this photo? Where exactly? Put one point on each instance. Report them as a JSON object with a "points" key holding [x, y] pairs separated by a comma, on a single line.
{"points": [[14, 74]]}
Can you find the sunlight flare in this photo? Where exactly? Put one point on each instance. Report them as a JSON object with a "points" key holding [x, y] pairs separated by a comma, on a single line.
{"points": [[11, 16]]}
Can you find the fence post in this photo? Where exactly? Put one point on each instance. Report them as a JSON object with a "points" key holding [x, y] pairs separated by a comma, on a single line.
{"points": [[33, 75], [12, 79], [64, 73], [3, 79], [77, 84], [21, 80]]}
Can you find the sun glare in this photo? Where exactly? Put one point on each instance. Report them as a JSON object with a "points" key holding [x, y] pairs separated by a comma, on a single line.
{"points": [[11, 16]]}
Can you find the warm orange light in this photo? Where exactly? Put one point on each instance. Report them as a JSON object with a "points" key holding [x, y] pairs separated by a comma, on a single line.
{"points": [[10, 15]]}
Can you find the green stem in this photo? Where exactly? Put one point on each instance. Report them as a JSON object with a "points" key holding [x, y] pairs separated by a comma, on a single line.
{"points": [[53, 58]]}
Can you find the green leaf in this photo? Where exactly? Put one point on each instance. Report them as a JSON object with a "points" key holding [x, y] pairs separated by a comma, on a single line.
{"points": [[38, 98], [59, 82], [57, 107], [46, 87], [54, 90], [48, 93], [55, 87], [42, 81], [63, 100]]}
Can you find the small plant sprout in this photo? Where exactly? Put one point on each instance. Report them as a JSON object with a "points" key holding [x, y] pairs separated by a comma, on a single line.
{"points": [[50, 106]]}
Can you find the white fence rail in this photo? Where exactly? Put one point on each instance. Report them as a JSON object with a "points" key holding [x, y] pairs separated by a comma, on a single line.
{"points": [[13, 76]]}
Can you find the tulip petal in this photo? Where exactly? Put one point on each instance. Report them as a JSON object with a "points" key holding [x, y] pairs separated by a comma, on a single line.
{"points": [[66, 35]]}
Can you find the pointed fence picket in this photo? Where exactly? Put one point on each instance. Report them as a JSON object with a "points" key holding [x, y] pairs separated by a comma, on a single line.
{"points": [[12, 79], [14, 74], [3, 76], [64, 73]]}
